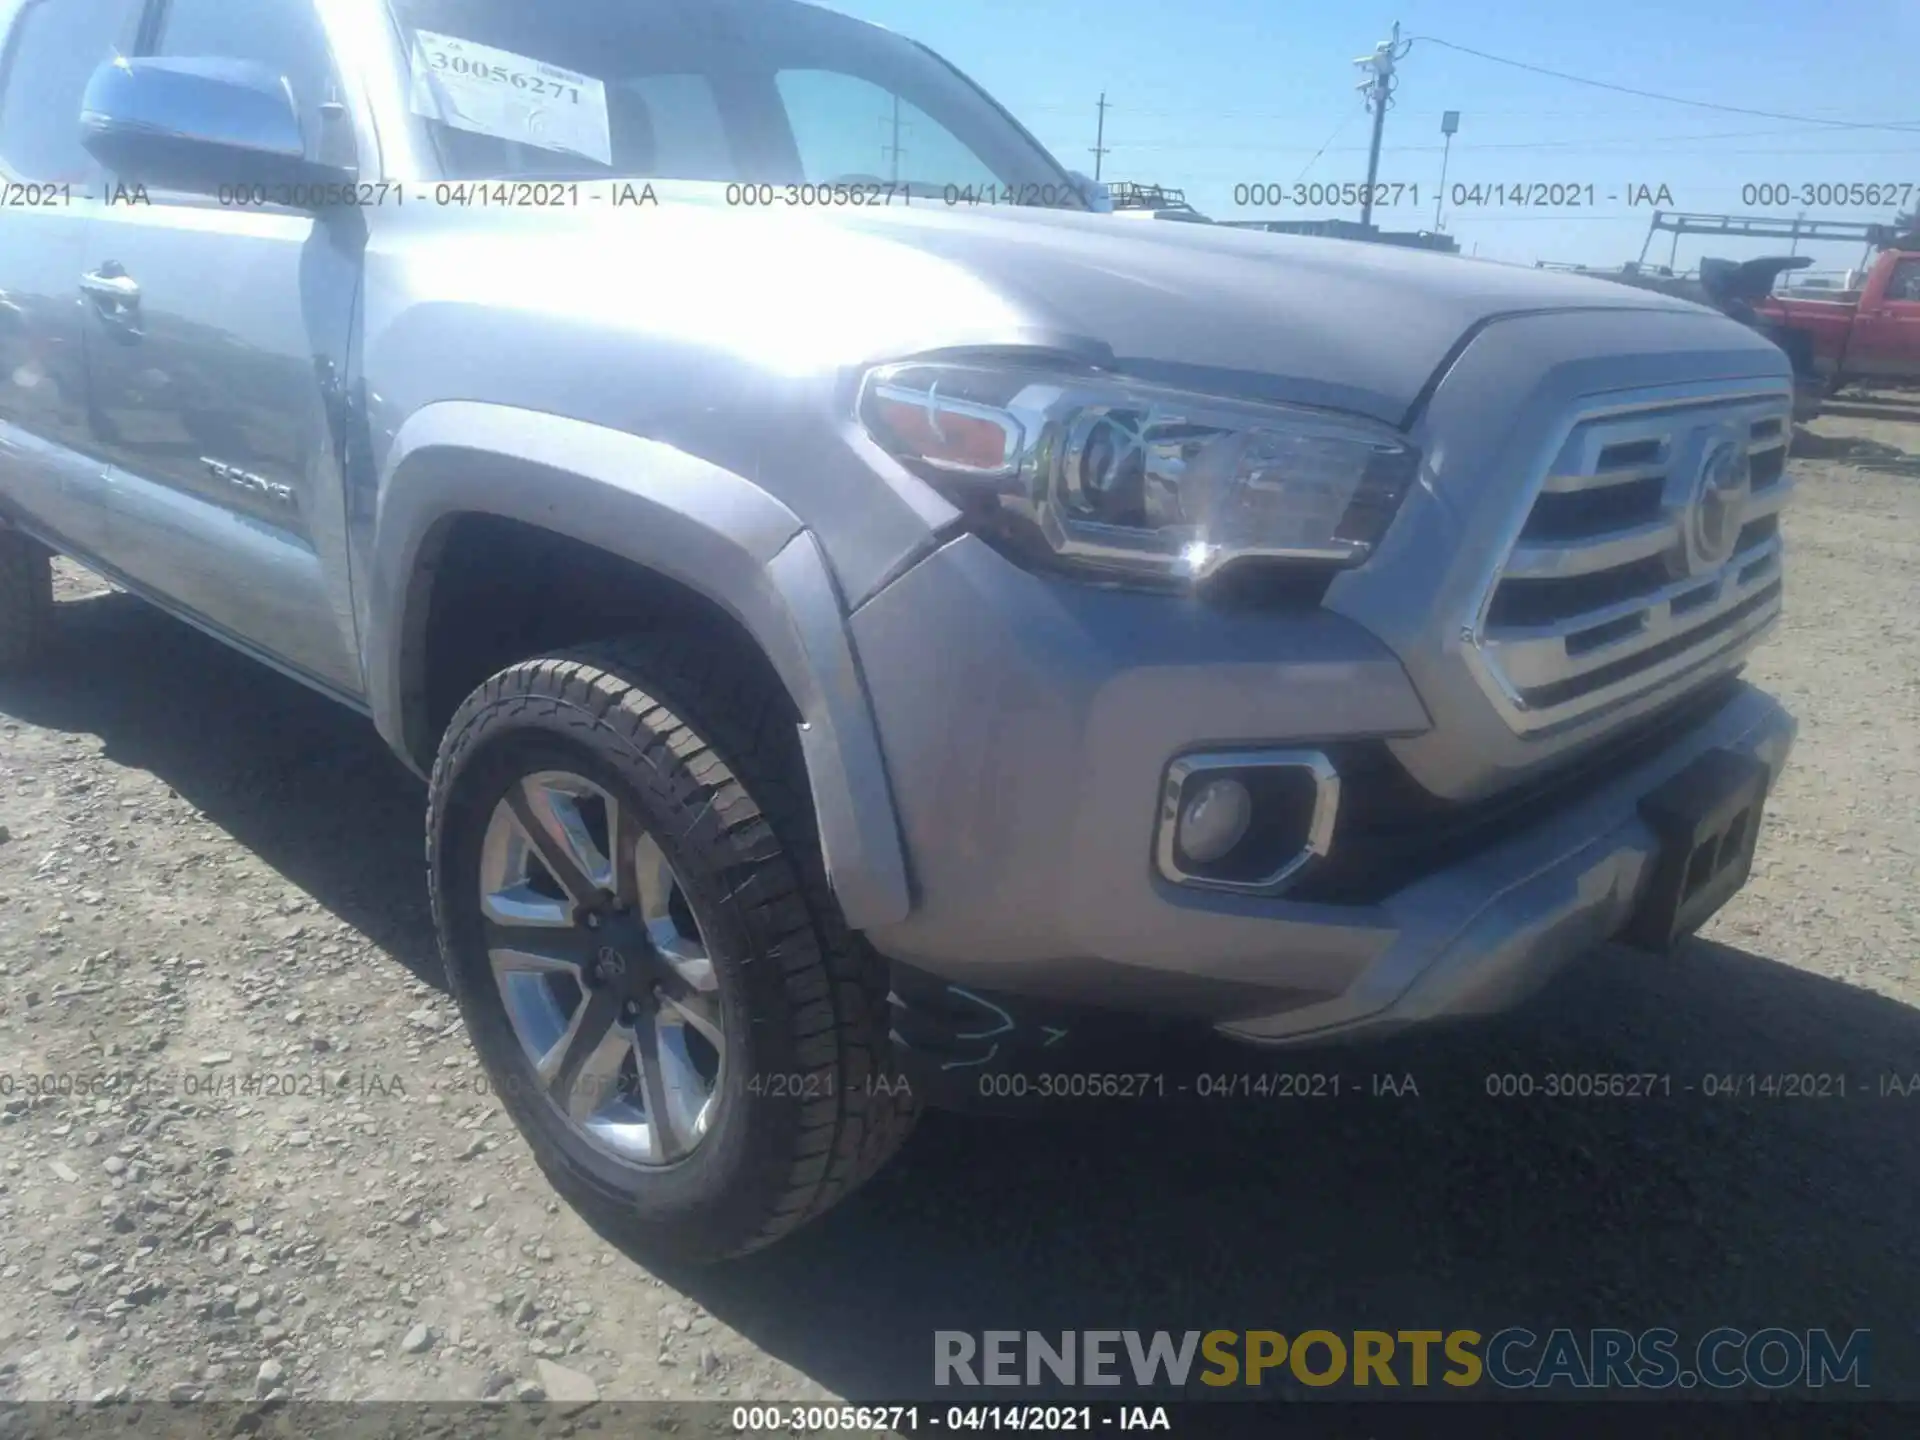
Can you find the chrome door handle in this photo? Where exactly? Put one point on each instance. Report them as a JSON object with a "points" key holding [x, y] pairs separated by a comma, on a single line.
{"points": [[110, 282]]}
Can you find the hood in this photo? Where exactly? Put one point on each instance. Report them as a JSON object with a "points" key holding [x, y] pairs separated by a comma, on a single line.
{"points": [[1337, 322], [1344, 324]]}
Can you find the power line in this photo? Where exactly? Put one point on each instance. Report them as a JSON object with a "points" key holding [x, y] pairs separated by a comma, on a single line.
{"points": [[1581, 143], [1314, 111], [1613, 141], [1318, 153], [1669, 99]]}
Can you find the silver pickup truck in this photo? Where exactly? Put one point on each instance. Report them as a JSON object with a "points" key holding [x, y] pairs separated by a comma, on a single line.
{"points": [[873, 622]]}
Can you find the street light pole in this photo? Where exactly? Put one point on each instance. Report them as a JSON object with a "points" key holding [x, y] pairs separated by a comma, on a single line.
{"points": [[1449, 123]]}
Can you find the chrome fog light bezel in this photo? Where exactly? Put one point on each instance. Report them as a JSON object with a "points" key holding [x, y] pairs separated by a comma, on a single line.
{"points": [[1319, 837]]}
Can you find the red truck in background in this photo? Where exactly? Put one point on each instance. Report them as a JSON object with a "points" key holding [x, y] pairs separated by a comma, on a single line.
{"points": [[1869, 335]]}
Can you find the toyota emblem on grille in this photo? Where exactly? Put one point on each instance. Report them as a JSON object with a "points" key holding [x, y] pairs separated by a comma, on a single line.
{"points": [[1718, 506]]}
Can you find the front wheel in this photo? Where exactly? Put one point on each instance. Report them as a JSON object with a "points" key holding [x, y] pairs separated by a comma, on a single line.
{"points": [[637, 928]]}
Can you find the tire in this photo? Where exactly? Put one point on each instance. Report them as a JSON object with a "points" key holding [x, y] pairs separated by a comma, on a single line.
{"points": [[806, 1102], [26, 600]]}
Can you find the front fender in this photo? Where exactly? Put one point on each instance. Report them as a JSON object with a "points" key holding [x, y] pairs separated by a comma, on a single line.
{"points": [[660, 508]]}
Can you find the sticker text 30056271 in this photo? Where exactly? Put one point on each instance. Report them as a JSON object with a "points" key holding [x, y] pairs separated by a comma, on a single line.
{"points": [[509, 96]]}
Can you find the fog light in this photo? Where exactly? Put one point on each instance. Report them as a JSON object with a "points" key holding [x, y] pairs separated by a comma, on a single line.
{"points": [[1215, 820], [1248, 821]]}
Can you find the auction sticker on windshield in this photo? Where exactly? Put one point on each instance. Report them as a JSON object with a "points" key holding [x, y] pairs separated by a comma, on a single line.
{"points": [[512, 97]]}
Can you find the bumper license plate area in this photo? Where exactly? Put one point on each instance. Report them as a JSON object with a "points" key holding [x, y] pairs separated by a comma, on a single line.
{"points": [[1707, 819]]}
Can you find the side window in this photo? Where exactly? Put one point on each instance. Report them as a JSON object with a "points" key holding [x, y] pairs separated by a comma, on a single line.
{"points": [[52, 52], [846, 127], [1905, 284], [284, 35]]}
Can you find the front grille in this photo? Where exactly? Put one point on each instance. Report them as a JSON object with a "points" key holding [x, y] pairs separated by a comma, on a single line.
{"points": [[1596, 602]]}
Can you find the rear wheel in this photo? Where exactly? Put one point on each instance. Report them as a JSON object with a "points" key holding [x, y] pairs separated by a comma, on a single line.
{"points": [[26, 599], [638, 930]]}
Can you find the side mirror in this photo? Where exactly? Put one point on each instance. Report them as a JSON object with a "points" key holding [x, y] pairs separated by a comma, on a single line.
{"points": [[1097, 196], [197, 125]]}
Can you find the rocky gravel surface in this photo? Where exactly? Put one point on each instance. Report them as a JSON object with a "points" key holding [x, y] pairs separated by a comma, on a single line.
{"points": [[245, 1150]]}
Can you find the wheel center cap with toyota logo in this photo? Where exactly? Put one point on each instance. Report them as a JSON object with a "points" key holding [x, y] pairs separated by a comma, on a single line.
{"points": [[609, 965], [1718, 506]]}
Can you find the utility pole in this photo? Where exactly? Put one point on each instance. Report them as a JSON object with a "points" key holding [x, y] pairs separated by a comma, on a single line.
{"points": [[1448, 125], [1378, 86], [1100, 138], [893, 151]]}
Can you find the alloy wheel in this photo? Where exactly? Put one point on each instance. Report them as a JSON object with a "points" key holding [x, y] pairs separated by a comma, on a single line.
{"points": [[602, 968]]}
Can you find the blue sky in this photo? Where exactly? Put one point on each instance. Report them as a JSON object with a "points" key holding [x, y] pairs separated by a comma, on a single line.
{"points": [[1210, 94]]}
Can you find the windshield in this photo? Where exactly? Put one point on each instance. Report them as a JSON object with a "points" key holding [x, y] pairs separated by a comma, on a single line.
{"points": [[760, 92]]}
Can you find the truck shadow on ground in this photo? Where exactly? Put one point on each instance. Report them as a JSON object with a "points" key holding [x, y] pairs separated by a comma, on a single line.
{"points": [[299, 781], [1455, 1209], [1447, 1208]]}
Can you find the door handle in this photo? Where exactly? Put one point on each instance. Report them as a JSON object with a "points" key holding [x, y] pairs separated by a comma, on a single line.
{"points": [[116, 301], [111, 283]]}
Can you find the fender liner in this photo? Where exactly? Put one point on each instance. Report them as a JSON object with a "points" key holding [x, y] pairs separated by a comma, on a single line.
{"points": [[660, 508]]}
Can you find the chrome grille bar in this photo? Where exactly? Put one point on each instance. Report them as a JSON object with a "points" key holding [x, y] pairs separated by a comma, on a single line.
{"points": [[1538, 656], [1585, 556], [1562, 483]]}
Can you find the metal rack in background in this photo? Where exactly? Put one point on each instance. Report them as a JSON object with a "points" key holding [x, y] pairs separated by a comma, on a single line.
{"points": [[1767, 227], [1130, 195]]}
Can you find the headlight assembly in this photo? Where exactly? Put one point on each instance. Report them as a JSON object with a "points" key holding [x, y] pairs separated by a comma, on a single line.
{"points": [[1127, 479]]}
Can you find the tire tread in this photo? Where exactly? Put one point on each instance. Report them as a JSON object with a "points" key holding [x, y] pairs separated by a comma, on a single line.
{"points": [[735, 748]]}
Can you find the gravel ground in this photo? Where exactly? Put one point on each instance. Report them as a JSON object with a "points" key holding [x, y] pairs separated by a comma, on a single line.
{"points": [[208, 875]]}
